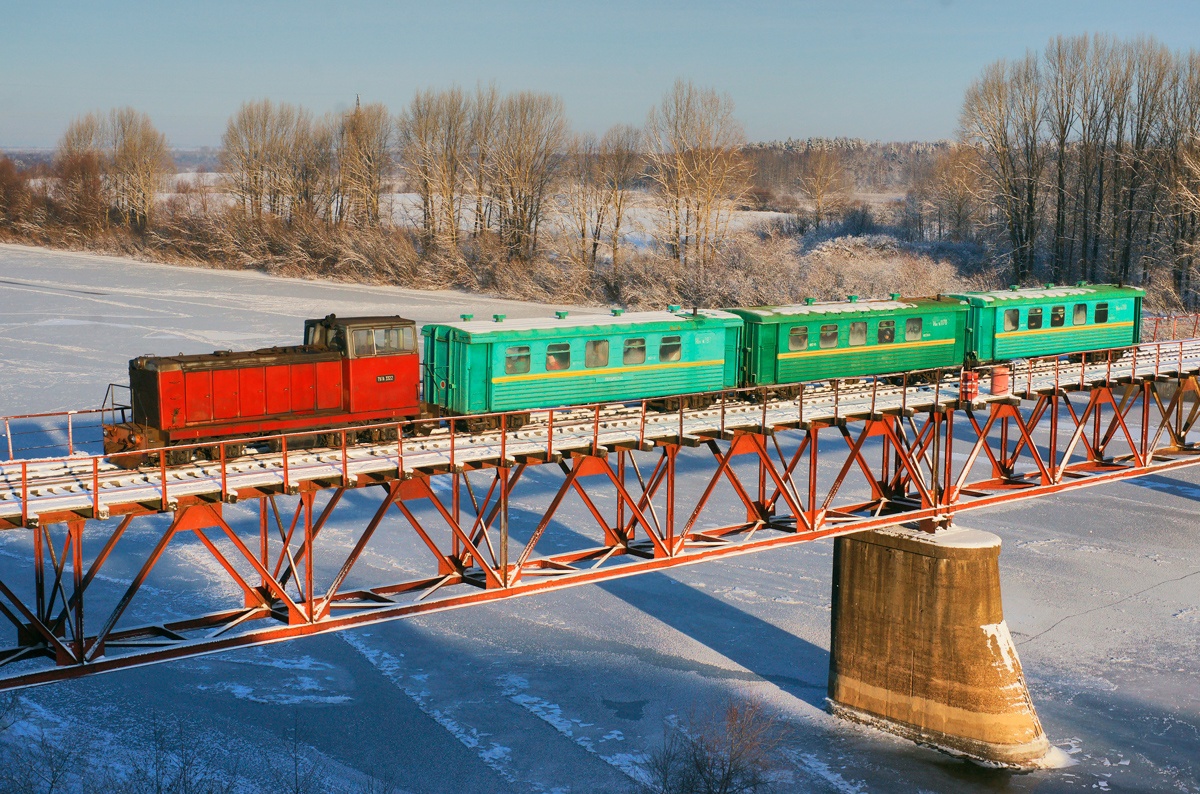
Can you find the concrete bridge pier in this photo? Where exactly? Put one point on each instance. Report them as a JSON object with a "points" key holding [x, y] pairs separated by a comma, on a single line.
{"points": [[920, 647]]}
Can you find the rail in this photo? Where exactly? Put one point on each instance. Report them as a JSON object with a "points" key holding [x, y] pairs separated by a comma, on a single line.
{"points": [[287, 460]]}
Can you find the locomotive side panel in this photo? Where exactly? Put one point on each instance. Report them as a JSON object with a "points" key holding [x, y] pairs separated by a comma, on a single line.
{"points": [[226, 395], [303, 388], [252, 396], [329, 386]]}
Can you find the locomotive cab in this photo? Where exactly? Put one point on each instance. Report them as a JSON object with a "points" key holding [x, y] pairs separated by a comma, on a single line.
{"points": [[379, 359]]}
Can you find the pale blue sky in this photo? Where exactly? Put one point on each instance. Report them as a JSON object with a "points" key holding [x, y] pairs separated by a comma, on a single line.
{"points": [[867, 68]]}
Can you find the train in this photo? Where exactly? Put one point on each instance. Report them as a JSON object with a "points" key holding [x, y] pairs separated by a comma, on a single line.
{"points": [[367, 375]]}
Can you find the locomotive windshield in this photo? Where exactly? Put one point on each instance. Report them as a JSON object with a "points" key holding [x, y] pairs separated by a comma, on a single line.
{"points": [[382, 341]]}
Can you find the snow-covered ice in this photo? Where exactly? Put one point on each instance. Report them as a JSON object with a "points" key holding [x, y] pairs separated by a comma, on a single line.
{"points": [[569, 690]]}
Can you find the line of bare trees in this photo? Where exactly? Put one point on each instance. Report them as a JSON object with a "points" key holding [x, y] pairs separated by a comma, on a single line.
{"points": [[1082, 157], [486, 164]]}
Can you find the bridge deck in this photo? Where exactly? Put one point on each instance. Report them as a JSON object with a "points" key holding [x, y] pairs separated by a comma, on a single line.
{"points": [[92, 487]]}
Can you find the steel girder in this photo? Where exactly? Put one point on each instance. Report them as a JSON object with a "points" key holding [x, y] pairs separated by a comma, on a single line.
{"points": [[740, 491]]}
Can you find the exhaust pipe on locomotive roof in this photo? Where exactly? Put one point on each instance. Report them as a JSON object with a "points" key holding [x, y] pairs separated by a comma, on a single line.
{"points": [[852, 298], [561, 315], [617, 312], [466, 318], [498, 318], [809, 301]]}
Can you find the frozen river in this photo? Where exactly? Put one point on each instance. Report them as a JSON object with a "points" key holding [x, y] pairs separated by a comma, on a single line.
{"points": [[569, 691]]}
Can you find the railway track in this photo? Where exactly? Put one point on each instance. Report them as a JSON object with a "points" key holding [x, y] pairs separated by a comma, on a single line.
{"points": [[94, 487]]}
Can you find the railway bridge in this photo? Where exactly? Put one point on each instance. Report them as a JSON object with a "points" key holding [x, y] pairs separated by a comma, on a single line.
{"points": [[886, 464]]}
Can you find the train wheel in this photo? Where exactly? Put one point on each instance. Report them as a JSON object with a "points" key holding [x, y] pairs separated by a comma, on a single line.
{"points": [[178, 457], [421, 429]]}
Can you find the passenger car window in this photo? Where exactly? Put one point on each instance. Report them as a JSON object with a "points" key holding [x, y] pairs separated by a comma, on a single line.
{"points": [[887, 332], [635, 351], [1058, 316], [829, 336], [387, 340], [595, 353], [798, 338], [1101, 312], [1080, 316], [1012, 319], [913, 327], [364, 343], [858, 334], [671, 349], [1034, 321], [516, 360], [558, 356]]}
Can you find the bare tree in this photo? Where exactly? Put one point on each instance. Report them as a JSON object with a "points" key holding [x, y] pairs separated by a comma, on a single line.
{"points": [[80, 164], [435, 136], [485, 114], [696, 165], [364, 155], [140, 161], [1064, 59], [585, 197], [529, 142], [729, 753], [824, 182], [621, 163], [1003, 116]]}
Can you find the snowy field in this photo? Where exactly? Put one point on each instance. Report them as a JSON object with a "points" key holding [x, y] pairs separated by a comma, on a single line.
{"points": [[569, 691]]}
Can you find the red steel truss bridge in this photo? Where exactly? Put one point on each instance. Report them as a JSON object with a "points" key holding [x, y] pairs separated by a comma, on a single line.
{"points": [[578, 495]]}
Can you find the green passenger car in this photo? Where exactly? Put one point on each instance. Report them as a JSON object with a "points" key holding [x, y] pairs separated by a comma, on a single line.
{"points": [[846, 339], [1019, 323], [474, 367]]}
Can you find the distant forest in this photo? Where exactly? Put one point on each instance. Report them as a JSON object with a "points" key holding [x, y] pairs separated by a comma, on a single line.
{"points": [[1079, 162]]}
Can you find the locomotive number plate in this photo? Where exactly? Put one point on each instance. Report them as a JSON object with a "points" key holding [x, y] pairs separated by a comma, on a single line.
{"points": [[384, 378]]}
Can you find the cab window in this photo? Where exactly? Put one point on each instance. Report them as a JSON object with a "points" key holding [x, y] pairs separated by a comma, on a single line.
{"points": [[635, 352], [829, 336], [1058, 316], [1012, 319], [1034, 321], [798, 338], [671, 349], [913, 328], [887, 332], [387, 340], [558, 356], [1101, 312], [858, 334], [1079, 317], [516, 360], [364, 342], [595, 353]]}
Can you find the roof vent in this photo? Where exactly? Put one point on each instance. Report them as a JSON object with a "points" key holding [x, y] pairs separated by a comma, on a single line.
{"points": [[617, 312], [1013, 287], [852, 298], [498, 318], [1081, 283], [1050, 285], [466, 318], [895, 296], [674, 307], [809, 301], [561, 315]]}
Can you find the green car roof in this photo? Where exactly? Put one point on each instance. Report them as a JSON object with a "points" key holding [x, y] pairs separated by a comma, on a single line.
{"points": [[1048, 293], [856, 308], [584, 324]]}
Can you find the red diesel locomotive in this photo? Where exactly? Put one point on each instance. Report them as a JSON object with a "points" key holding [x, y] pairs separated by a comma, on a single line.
{"points": [[357, 370]]}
